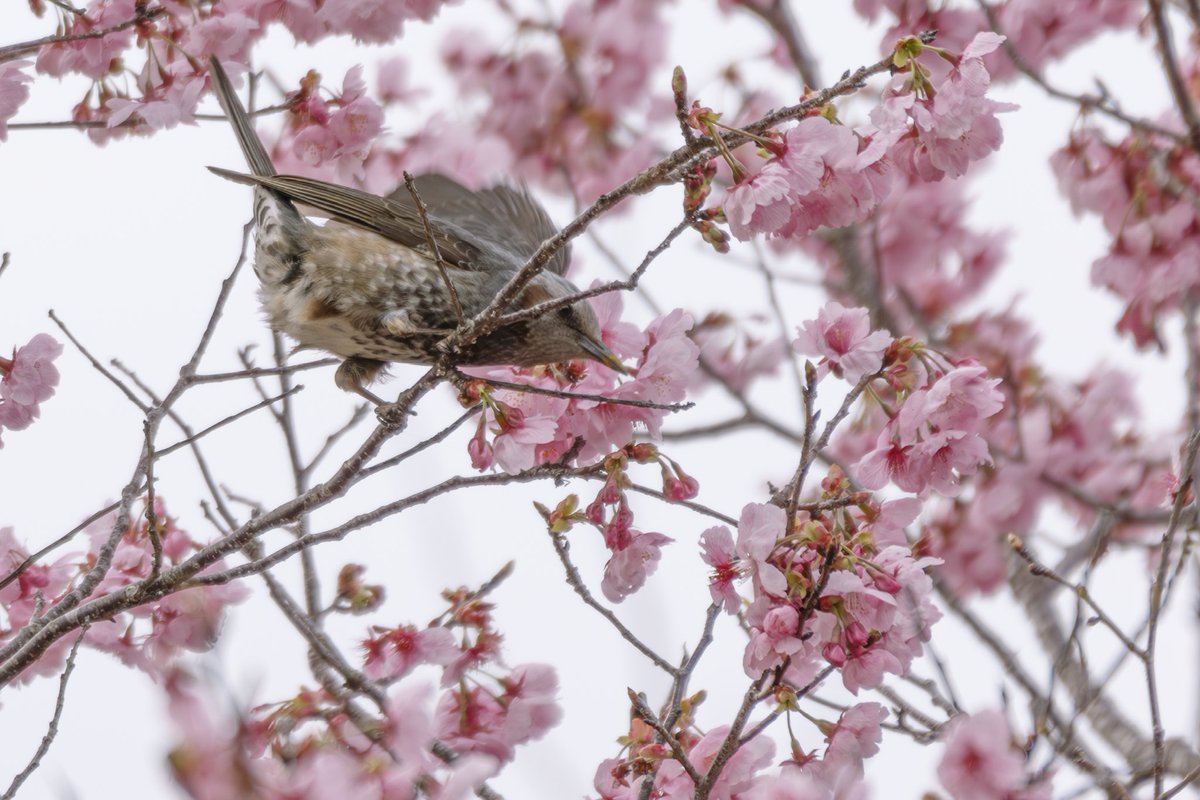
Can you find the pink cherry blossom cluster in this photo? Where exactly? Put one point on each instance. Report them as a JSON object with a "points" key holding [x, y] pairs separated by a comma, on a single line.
{"points": [[820, 174], [94, 57], [840, 588], [1041, 32], [308, 746], [1141, 192], [177, 40], [563, 101], [26, 381], [941, 119], [623, 778], [635, 553], [518, 430], [367, 21], [935, 438], [13, 91], [336, 131], [932, 122], [836, 773], [1061, 440], [147, 637]]}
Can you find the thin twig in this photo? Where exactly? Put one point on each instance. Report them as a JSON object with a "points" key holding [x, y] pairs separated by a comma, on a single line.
{"points": [[145, 409], [57, 543], [561, 548], [433, 246], [14, 51], [643, 712], [360, 411], [440, 436], [259, 372], [1079, 590], [627, 285], [599, 398], [1103, 104], [52, 728], [191, 439], [156, 545], [1183, 99]]}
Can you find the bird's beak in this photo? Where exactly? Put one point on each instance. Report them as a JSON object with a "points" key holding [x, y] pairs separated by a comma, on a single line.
{"points": [[602, 354]]}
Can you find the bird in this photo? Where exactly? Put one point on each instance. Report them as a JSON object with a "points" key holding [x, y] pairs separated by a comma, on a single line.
{"points": [[366, 285]]}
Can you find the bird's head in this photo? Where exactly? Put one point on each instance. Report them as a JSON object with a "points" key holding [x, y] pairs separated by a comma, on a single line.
{"points": [[565, 333]]}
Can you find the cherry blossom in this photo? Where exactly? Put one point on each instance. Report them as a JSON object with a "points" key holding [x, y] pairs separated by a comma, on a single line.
{"points": [[150, 637], [632, 562], [737, 776], [163, 106], [227, 34], [556, 102], [479, 721], [1040, 32], [532, 429], [826, 175], [759, 530], [28, 379], [790, 784], [981, 761], [843, 338], [1155, 233], [935, 440], [393, 653], [952, 122], [718, 553], [13, 91], [93, 57]]}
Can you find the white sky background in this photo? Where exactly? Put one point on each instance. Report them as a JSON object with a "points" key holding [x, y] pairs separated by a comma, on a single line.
{"points": [[128, 243]]}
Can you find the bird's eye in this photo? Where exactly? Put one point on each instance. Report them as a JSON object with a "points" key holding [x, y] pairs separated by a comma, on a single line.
{"points": [[566, 312]]}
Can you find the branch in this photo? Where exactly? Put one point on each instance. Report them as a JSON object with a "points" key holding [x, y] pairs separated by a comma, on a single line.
{"points": [[599, 398], [15, 51], [52, 729], [665, 171], [561, 548], [433, 246]]}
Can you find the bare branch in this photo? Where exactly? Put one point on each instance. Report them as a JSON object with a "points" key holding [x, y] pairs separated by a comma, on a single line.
{"points": [[52, 729]]}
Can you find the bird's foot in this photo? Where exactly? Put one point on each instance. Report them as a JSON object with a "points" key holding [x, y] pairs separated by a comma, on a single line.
{"points": [[355, 372]]}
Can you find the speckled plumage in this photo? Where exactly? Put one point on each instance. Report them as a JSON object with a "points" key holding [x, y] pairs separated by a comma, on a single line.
{"points": [[364, 286]]}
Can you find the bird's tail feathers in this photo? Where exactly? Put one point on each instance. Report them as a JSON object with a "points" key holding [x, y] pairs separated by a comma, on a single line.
{"points": [[252, 146]]}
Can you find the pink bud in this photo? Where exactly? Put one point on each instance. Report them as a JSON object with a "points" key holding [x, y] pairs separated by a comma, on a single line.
{"points": [[623, 518], [885, 582], [834, 654], [684, 489], [857, 636], [610, 494], [479, 449], [595, 512]]}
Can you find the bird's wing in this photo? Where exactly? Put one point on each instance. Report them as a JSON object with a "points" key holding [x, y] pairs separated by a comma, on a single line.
{"points": [[395, 221], [501, 218]]}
